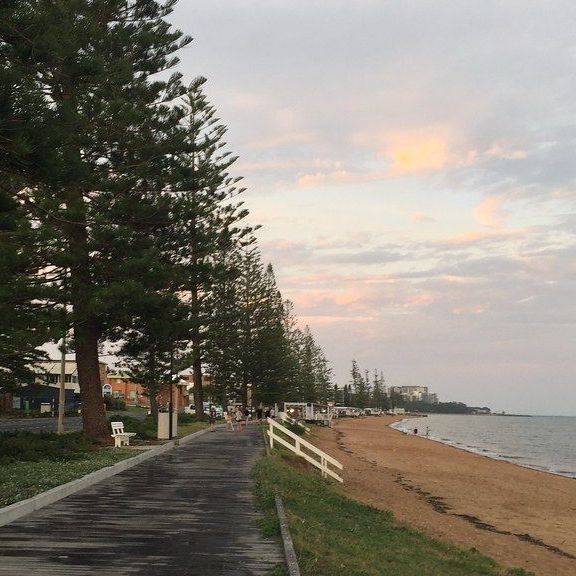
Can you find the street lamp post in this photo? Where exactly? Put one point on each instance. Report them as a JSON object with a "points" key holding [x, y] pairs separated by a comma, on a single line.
{"points": [[171, 397]]}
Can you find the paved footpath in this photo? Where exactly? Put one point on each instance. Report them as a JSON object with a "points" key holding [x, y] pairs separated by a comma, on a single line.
{"points": [[189, 512]]}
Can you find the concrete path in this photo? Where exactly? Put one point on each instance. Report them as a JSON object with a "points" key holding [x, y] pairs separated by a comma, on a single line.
{"points": [[187, 513]]}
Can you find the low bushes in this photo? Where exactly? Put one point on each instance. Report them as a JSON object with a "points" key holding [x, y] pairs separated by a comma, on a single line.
{"points": [[114, 403], [145, 429], [22, 446], [184, 418]]}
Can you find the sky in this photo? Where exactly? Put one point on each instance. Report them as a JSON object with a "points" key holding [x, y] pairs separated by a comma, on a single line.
{"points": [[413, 166]]}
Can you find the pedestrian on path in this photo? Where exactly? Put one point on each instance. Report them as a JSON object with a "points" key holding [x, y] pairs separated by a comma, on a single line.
{"points": [[247, 415], [239, 418], [259, 412], [229, 419], [212, 419]]}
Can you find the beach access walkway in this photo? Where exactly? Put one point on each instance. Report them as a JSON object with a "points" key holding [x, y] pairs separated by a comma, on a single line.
{"points": [[189, 512]]}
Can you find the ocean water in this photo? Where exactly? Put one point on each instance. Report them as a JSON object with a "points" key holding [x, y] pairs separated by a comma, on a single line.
{"points": [[546, 443]]}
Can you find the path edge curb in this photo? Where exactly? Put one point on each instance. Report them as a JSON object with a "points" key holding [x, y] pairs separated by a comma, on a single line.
{"points": [[17, 510], [289, 551]]}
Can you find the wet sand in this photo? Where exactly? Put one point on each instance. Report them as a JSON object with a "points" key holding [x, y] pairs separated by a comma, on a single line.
{"points": [[519, 517]]}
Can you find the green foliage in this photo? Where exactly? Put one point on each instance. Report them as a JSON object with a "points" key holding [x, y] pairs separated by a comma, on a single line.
{"points": [[254, 340], [114, 403], [145, 429], [21, 446], [337, 536], [440, 408], [184, 418], [90, 174], [360, 386], [21, 480], [118, 206]]}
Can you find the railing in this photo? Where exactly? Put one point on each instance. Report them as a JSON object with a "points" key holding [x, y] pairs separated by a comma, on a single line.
{"points": [[303, 449], [285, 418]]}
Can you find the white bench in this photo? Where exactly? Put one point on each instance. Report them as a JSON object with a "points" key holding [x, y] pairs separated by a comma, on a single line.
{"points": [[121, 438]]}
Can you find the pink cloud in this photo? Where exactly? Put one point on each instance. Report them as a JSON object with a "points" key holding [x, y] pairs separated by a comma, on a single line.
{"points": [[476, 236], [421, 218], [499, 151], [473, 309], [490, 212], [411, 153]]}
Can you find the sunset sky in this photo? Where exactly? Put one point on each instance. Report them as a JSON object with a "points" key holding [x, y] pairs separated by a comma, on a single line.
{"points": [[413, 164]]}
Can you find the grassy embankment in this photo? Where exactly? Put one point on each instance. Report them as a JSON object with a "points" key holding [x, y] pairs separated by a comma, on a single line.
{"points": [[33, 463], [336, 536]]}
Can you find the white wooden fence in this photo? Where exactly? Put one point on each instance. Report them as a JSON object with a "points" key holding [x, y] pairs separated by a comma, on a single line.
{"points": [[285, 418], [303, 449]]}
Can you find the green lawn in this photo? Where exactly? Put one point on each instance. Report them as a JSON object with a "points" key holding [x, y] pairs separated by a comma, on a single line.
{"points": [[336, 536], [185, 429], [21, 480], [33, 463]]}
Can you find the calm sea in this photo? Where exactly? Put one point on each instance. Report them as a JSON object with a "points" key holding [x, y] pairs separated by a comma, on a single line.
{"points": [[545, 443]]}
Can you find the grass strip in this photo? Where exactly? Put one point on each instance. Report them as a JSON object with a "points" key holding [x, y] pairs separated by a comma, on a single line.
{"points": [[21, 480], [191, 427], [337, 536]]}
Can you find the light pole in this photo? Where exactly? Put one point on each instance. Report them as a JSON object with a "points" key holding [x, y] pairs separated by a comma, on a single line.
{"points": [[62, 392], [171, 397]]}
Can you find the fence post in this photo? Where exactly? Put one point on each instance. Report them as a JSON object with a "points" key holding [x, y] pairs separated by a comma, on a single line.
{"points": [[271, 434]]}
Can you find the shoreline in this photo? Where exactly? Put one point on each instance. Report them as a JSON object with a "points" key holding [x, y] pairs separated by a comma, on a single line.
{"points": [[517, 515], [481, 451]]}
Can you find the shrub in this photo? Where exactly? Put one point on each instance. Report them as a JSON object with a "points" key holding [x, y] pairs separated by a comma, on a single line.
{"points": [[145, 429], [23, 446], [184, 418], [114, 403]]}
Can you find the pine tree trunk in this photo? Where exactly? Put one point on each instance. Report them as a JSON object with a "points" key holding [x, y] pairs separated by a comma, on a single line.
{"points": [[153, 387], [196, 352], [245, 388], [93, 412], [197, 378]]}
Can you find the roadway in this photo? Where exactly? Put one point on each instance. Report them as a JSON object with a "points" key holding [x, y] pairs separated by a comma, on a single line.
{"points": [[38, 425]]}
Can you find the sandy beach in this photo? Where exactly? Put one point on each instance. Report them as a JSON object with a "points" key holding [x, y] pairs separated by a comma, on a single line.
{"points": [[519, 517]]}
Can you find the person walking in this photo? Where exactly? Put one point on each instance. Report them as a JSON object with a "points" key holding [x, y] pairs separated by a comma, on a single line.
{"points": [[259, 412], [212, 419], [229, 419], [239, 417], [247, 415]]}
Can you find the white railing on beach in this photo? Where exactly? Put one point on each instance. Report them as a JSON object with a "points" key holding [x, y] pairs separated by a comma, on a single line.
{"points": [[303, 449]]}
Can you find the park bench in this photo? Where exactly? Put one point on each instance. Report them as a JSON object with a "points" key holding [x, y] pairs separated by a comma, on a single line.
{"points": [[121, 438]]}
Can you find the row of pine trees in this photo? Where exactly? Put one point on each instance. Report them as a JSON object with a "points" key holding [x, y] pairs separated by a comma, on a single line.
{"points": [[367, 390], [121, 219]]}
